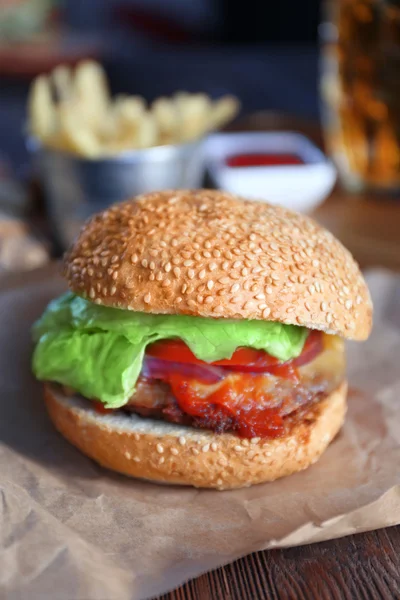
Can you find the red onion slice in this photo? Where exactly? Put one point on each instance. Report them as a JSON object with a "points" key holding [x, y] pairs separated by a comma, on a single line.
{"points": [[156, 368]]}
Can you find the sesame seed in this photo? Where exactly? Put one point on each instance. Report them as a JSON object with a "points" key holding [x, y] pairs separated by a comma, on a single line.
{"points": [[275, 277], [144, 263], [195, 451], [238, 448], [177, 271], [269, 290], [113, 290], [249, 304], [205, 448], [223, 461], [92, 293], [358, 300], [178, 300], [136, 436], [324, 306], [174, 451], [266, 312], [219, 482], [128, 455], [329, 318], [182, 440], [136, 459], [166, 283], [147, 298], [290, 309], [210, 284], [348, 304], [214, 447], [208, 300], [311, 289], [162, 459], [212, 266], [260, 297], [167, 267], [160, 448], [202, 274], [254, 440], [315, 262], [188, 263]]}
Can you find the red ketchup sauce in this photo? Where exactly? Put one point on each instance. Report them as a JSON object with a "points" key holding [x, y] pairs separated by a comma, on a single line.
{"points": [[241, 398], [258, 159]]}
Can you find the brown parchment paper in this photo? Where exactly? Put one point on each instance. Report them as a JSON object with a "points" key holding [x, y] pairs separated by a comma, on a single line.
{"points": [[71, 530]]}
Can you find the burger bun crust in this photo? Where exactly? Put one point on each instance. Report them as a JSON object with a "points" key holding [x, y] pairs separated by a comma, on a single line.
{"points": [[210, 254], [173, 454]]}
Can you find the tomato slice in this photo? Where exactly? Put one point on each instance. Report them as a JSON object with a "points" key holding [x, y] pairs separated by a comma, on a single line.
{"points": [[243, 359]]}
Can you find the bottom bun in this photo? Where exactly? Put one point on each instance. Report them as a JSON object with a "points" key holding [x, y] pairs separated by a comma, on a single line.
{"points": [[168, 453]]}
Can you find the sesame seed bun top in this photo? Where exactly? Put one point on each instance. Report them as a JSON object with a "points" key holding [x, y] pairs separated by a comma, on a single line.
{"points": [[210, 254]]}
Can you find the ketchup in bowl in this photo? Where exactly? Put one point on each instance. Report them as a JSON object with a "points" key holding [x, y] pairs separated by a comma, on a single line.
{"points": [[263, 160]]}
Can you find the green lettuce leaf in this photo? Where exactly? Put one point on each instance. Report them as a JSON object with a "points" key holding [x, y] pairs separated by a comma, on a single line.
{"points": [[99, 351]]}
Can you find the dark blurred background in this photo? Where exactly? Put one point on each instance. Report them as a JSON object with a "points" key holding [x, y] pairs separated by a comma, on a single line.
{"points": [[263, 52]]}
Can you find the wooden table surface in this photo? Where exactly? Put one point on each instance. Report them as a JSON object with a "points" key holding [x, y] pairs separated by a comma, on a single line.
{"points": [[364, 566]]}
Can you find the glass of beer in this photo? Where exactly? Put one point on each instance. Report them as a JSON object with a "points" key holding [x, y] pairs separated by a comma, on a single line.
{"points": [[360, 87]]}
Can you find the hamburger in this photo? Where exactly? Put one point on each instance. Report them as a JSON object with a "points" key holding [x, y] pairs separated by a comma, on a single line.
{"points": [[202, 339]]}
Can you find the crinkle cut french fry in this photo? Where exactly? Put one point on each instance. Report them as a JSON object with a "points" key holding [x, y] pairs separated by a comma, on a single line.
{"points": [[168, 119], [120, 129], [147, 133], [223, 110], [41, 109], [91, 88], [194, 110], [62, 81], [78, 135]]}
